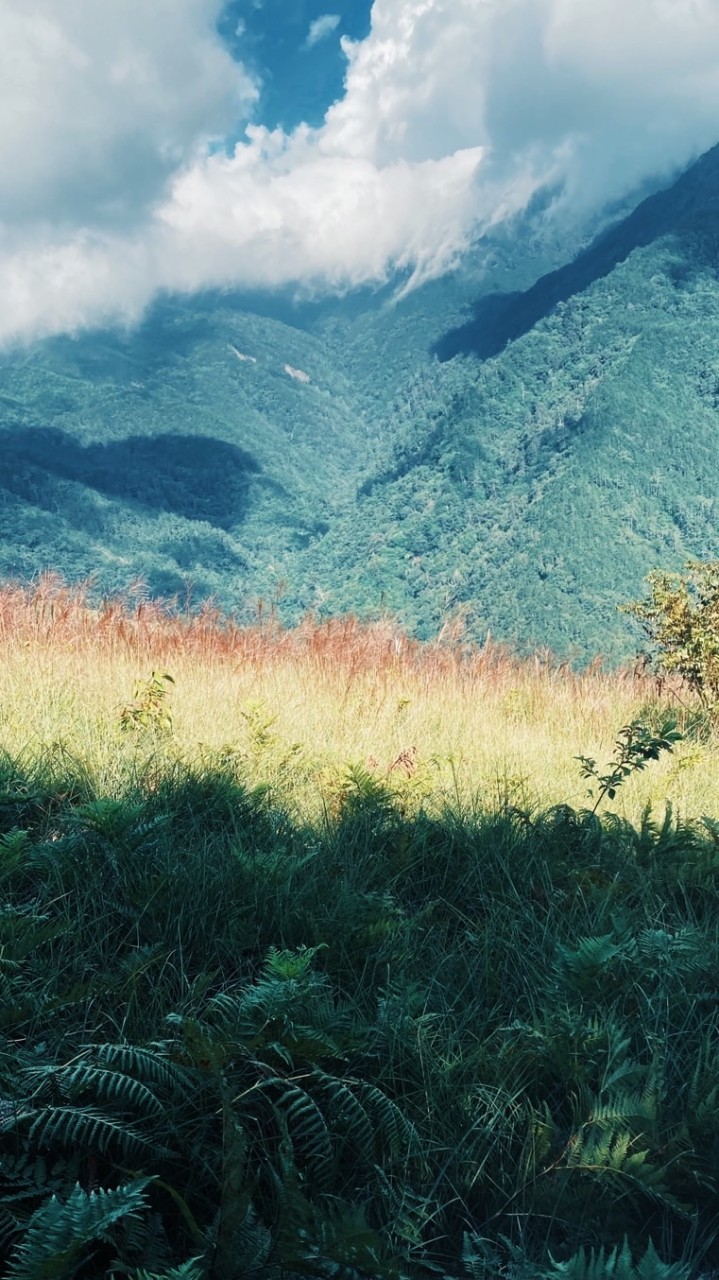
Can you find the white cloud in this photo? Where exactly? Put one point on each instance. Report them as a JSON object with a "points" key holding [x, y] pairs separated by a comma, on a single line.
{"points": [[321, 28], [454, 113], [101, 102]]}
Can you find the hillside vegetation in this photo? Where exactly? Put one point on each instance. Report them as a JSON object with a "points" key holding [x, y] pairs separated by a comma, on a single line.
{"points": [[515, 445], [318, 960]]}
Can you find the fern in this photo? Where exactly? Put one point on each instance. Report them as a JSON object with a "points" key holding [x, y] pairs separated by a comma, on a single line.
{"points": [[87, 1128], [245, 1250], [609, 1155], [348, 1113], [147, 1065], [334, 1243], [616, 1265], [24, 1178], [290, 965], [111, 1086], [624, 1108], [591, 962], [397, 1135], [480, 1260], [308, 1130], [59, 1234], [193, 1269]]}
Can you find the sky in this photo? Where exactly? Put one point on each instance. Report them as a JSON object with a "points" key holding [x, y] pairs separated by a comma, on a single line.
{"points": [[319, 145]]}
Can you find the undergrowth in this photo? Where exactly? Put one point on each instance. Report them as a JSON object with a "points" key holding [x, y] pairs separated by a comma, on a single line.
{"points": [[407, 1031], [387, 1044]]}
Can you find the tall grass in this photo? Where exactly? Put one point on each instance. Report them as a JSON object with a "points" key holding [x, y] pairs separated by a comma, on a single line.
{"points": [[340, 977], [475, 724]]}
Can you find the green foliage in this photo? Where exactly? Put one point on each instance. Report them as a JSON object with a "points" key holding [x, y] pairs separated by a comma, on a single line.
{"points": [[617, 1264], [193, 1269], [149, 708], [484, 484], [681, 621], [636, 746], [60, 1234], [238, 1044]]}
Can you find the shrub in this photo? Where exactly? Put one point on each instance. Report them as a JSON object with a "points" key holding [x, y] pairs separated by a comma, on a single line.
{"points": [[681, 621]]}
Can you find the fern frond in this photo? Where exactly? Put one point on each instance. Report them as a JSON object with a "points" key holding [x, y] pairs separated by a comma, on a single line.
{"points": [[347, 1113], [247, 1252], [623, 1108], [611, 1154], [592, 959], [306, 1127], [396, 1134], [24, 1177], [148, 1065], [229, 1011], [106, 1085], [59, 1233], [10, 1228], [193, 1269], [616, 1265], [86, 1128], [339, 1244], [203, 1049], [479, 1259], [290, 965]]}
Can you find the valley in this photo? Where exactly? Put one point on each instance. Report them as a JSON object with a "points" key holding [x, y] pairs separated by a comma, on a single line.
{"points": [[514, 446]]}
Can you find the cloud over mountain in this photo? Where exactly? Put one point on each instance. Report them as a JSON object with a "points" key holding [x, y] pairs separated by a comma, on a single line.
{"points": [[116, 181]]}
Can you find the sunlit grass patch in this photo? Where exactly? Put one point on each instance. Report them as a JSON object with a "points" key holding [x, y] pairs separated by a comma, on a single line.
{"points": [[469, 724]]}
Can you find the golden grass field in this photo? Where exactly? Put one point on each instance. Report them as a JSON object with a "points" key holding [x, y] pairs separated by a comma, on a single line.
{"points": [[446, 721]]}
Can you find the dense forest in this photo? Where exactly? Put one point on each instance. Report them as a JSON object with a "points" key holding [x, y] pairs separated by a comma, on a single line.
{"points": [[514, 446]]}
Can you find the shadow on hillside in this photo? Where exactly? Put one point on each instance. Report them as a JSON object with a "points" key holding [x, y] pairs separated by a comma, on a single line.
{"points": [[165, 336], [681, 210], [197, 477]]}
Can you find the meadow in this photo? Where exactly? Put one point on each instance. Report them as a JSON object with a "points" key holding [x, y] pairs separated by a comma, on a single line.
{"points": [[318, 957]]}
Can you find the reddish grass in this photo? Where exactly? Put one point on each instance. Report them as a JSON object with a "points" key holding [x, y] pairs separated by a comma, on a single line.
{"points": [[49, 614]]}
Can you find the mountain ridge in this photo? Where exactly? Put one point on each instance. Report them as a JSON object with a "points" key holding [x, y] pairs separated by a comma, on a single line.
{"points": [[517, 456]]}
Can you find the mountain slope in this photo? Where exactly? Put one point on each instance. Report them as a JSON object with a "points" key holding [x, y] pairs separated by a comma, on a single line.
{"points": [[198, 445], [520, 442], [573, 447]]}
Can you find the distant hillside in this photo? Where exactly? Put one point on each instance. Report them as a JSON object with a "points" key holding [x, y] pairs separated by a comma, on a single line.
{"points": [[200, 446], [568, 443], [519, 443]]}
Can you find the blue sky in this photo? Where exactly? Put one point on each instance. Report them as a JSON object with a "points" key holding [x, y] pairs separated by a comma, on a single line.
{"points": [[190, 144], [294, 50]]}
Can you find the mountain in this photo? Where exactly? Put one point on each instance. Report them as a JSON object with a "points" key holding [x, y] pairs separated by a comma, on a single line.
{"points": [[572, 443], [517, 444]]}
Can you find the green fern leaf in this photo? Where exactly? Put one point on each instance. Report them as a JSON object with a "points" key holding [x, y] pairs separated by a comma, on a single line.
{"points": [[306, 1127], [396, 1135], [148, 1065], [85, 1128], [106, 1085], [616, 1265], [59, 1233], [348, 1114], [193, 1269]]}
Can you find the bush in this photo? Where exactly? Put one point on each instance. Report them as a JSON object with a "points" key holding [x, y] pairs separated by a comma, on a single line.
{"points": [[681, 621]]}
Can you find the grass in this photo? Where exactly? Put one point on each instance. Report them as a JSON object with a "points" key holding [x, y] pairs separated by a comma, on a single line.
{"points": [[477, 725], [340, 977]]}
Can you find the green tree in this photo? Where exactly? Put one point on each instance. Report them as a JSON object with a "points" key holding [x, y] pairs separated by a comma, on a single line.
{"points": [[681, 621]]}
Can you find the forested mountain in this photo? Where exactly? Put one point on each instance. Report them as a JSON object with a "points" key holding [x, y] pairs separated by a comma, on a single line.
{"points": [[519, 442]]}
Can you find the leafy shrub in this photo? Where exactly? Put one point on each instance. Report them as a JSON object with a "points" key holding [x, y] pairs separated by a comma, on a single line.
{"points": [[681, 621], [635, 747], [149, 708]]}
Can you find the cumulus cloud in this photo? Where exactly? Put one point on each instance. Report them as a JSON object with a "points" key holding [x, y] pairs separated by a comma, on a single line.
{"points": [[454, 113], [321, 28], [101, 102]]}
